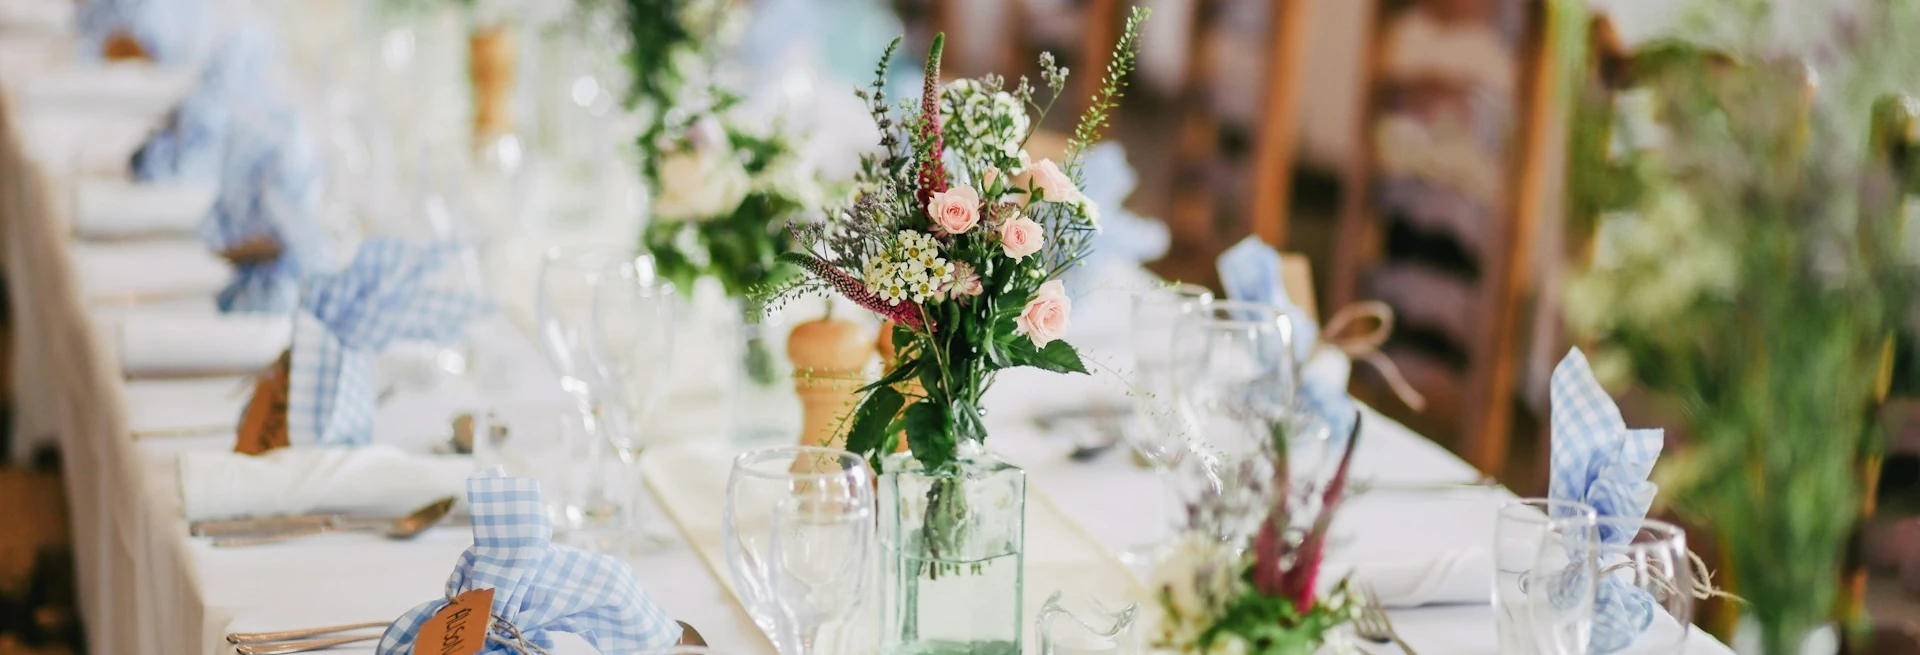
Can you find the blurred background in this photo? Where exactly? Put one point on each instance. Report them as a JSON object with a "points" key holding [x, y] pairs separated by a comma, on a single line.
{"points": [[1409, 151]]}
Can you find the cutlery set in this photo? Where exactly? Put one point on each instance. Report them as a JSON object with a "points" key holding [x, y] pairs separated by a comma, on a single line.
{"points": [[302, 640], [253, 532]]}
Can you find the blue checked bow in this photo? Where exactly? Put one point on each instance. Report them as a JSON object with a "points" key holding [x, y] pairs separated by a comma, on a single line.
{"points": [[170, 31], [392, 290], [1598, 461], [1124, 237], [540, 588], [1251, 272], [192, 145], [236, 129]]}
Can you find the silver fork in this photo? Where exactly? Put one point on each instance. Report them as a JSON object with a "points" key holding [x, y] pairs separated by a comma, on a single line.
{"points": [[278, 648], [1372, 624]]}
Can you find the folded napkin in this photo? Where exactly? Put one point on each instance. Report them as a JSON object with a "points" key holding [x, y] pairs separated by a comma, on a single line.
{"points": [[1598, 461], [1456, 577], [375, 480], [392, 290], [1251, 271], [169, 31], [177, 344], [1124, 237], [147, 270], [540, 589], [112, 209]]}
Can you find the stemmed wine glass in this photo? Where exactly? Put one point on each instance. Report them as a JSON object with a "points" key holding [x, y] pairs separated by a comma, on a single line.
{"points": [[1234, 380], [631, 341], [799, 536], [569, 279], [1155, 431]]}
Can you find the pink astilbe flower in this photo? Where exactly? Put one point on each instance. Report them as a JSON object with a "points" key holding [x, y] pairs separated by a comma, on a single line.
{"points": [[1291, 572], [933, 170], [905, 312]]}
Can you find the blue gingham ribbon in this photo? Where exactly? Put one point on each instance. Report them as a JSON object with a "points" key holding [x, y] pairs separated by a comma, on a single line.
{"points": [[191, 147], [1598, 461], [392, 290], [1251, 272], [170, 31], [540, 588]]}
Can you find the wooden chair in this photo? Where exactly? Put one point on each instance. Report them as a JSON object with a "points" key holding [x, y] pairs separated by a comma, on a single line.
{"points": [[1421, 225], [1196, 220]]}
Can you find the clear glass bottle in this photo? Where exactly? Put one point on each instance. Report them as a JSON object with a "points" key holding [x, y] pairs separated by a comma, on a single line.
{"points": [[953, 550]]}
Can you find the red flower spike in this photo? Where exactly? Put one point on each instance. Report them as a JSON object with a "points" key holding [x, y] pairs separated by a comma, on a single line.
{"points": [[933, 168], [905, 313], [1306, 570]]}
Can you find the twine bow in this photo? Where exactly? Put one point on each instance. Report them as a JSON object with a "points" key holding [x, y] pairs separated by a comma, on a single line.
{"points": [[1701, 588], [1347, 332]]}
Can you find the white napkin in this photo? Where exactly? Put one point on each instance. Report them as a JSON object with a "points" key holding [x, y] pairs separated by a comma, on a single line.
{"points": [[1457, 577], [173, 344], [375, 480], [116, 209], [132, 87], [147, 270], [198, 406]]}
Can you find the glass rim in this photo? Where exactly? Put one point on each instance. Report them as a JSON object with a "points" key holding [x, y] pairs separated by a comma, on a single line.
{"points": [[1584, 510], [595, 258], [1270, 314], [1668, 531], [1185, 291], [742, 462]]}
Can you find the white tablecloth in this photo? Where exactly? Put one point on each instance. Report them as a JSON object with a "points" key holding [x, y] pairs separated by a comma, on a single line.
{"points": [[148, 587]]}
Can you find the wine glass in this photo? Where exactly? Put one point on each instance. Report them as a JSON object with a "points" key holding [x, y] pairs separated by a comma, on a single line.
{"points": [[819, 559], [1234, 381], [1519, 527], [1644, 598], [1560, 588], [569, 278], [634, 318], [1155, 431], [782, 486]]}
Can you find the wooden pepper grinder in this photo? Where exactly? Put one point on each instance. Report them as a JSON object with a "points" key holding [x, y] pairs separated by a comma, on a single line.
{"points": [[491, 57], [829, 356]]}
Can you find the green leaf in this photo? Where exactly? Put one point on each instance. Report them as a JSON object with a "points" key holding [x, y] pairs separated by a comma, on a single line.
{"points": [[1059, 356], [927, 434], [870, 420], [901, 373]]}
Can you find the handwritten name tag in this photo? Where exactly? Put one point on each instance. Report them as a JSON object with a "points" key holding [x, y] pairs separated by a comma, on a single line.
{"points": [[460, 628], [263, 426]]}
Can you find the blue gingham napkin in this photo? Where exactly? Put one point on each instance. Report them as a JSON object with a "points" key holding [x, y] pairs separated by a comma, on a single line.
{"points": [[190, 148], [392, 290], [1251, 272], [171, 31], [539, 587], [1598, 461]]}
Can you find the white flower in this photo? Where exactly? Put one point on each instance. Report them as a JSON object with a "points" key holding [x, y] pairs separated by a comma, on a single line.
{"points": [[939, 269], [923, 289], [698, 186], [1089, 210]]}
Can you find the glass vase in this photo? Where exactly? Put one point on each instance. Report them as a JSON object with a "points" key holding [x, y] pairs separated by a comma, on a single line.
{"points": [[953, 543], [766, 409]]}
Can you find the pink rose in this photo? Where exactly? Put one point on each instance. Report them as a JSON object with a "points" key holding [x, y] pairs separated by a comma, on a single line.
{"points": [[1020, 237], [1052, 184], [1045, 317], [955, 210], [988, 178]]}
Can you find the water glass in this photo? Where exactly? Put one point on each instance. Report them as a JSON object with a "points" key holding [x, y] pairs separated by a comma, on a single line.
{"points": [[818, 492], [1518, 532], [1560, 590], [534, 440], [564, 311], [1155, 432], [1646, 579], [1234, 382], [1089, 626]]}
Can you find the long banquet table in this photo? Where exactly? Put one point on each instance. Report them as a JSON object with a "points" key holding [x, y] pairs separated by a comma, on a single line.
{"points": [[149, 587]]}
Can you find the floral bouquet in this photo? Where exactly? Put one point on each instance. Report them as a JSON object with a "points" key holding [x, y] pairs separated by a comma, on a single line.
{"points": [[1213, 600], [959, 238], [1753, 261]]}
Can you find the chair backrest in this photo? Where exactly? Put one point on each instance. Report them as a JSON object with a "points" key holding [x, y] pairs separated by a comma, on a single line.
{"points": [[1196, 218], [1442, 201]]}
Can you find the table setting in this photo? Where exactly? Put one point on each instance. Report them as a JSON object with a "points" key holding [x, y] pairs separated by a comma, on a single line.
{"points": [[932, 404]]}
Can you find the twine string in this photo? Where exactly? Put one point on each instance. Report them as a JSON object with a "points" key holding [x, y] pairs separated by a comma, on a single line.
{"points": [[1348, 331]]}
